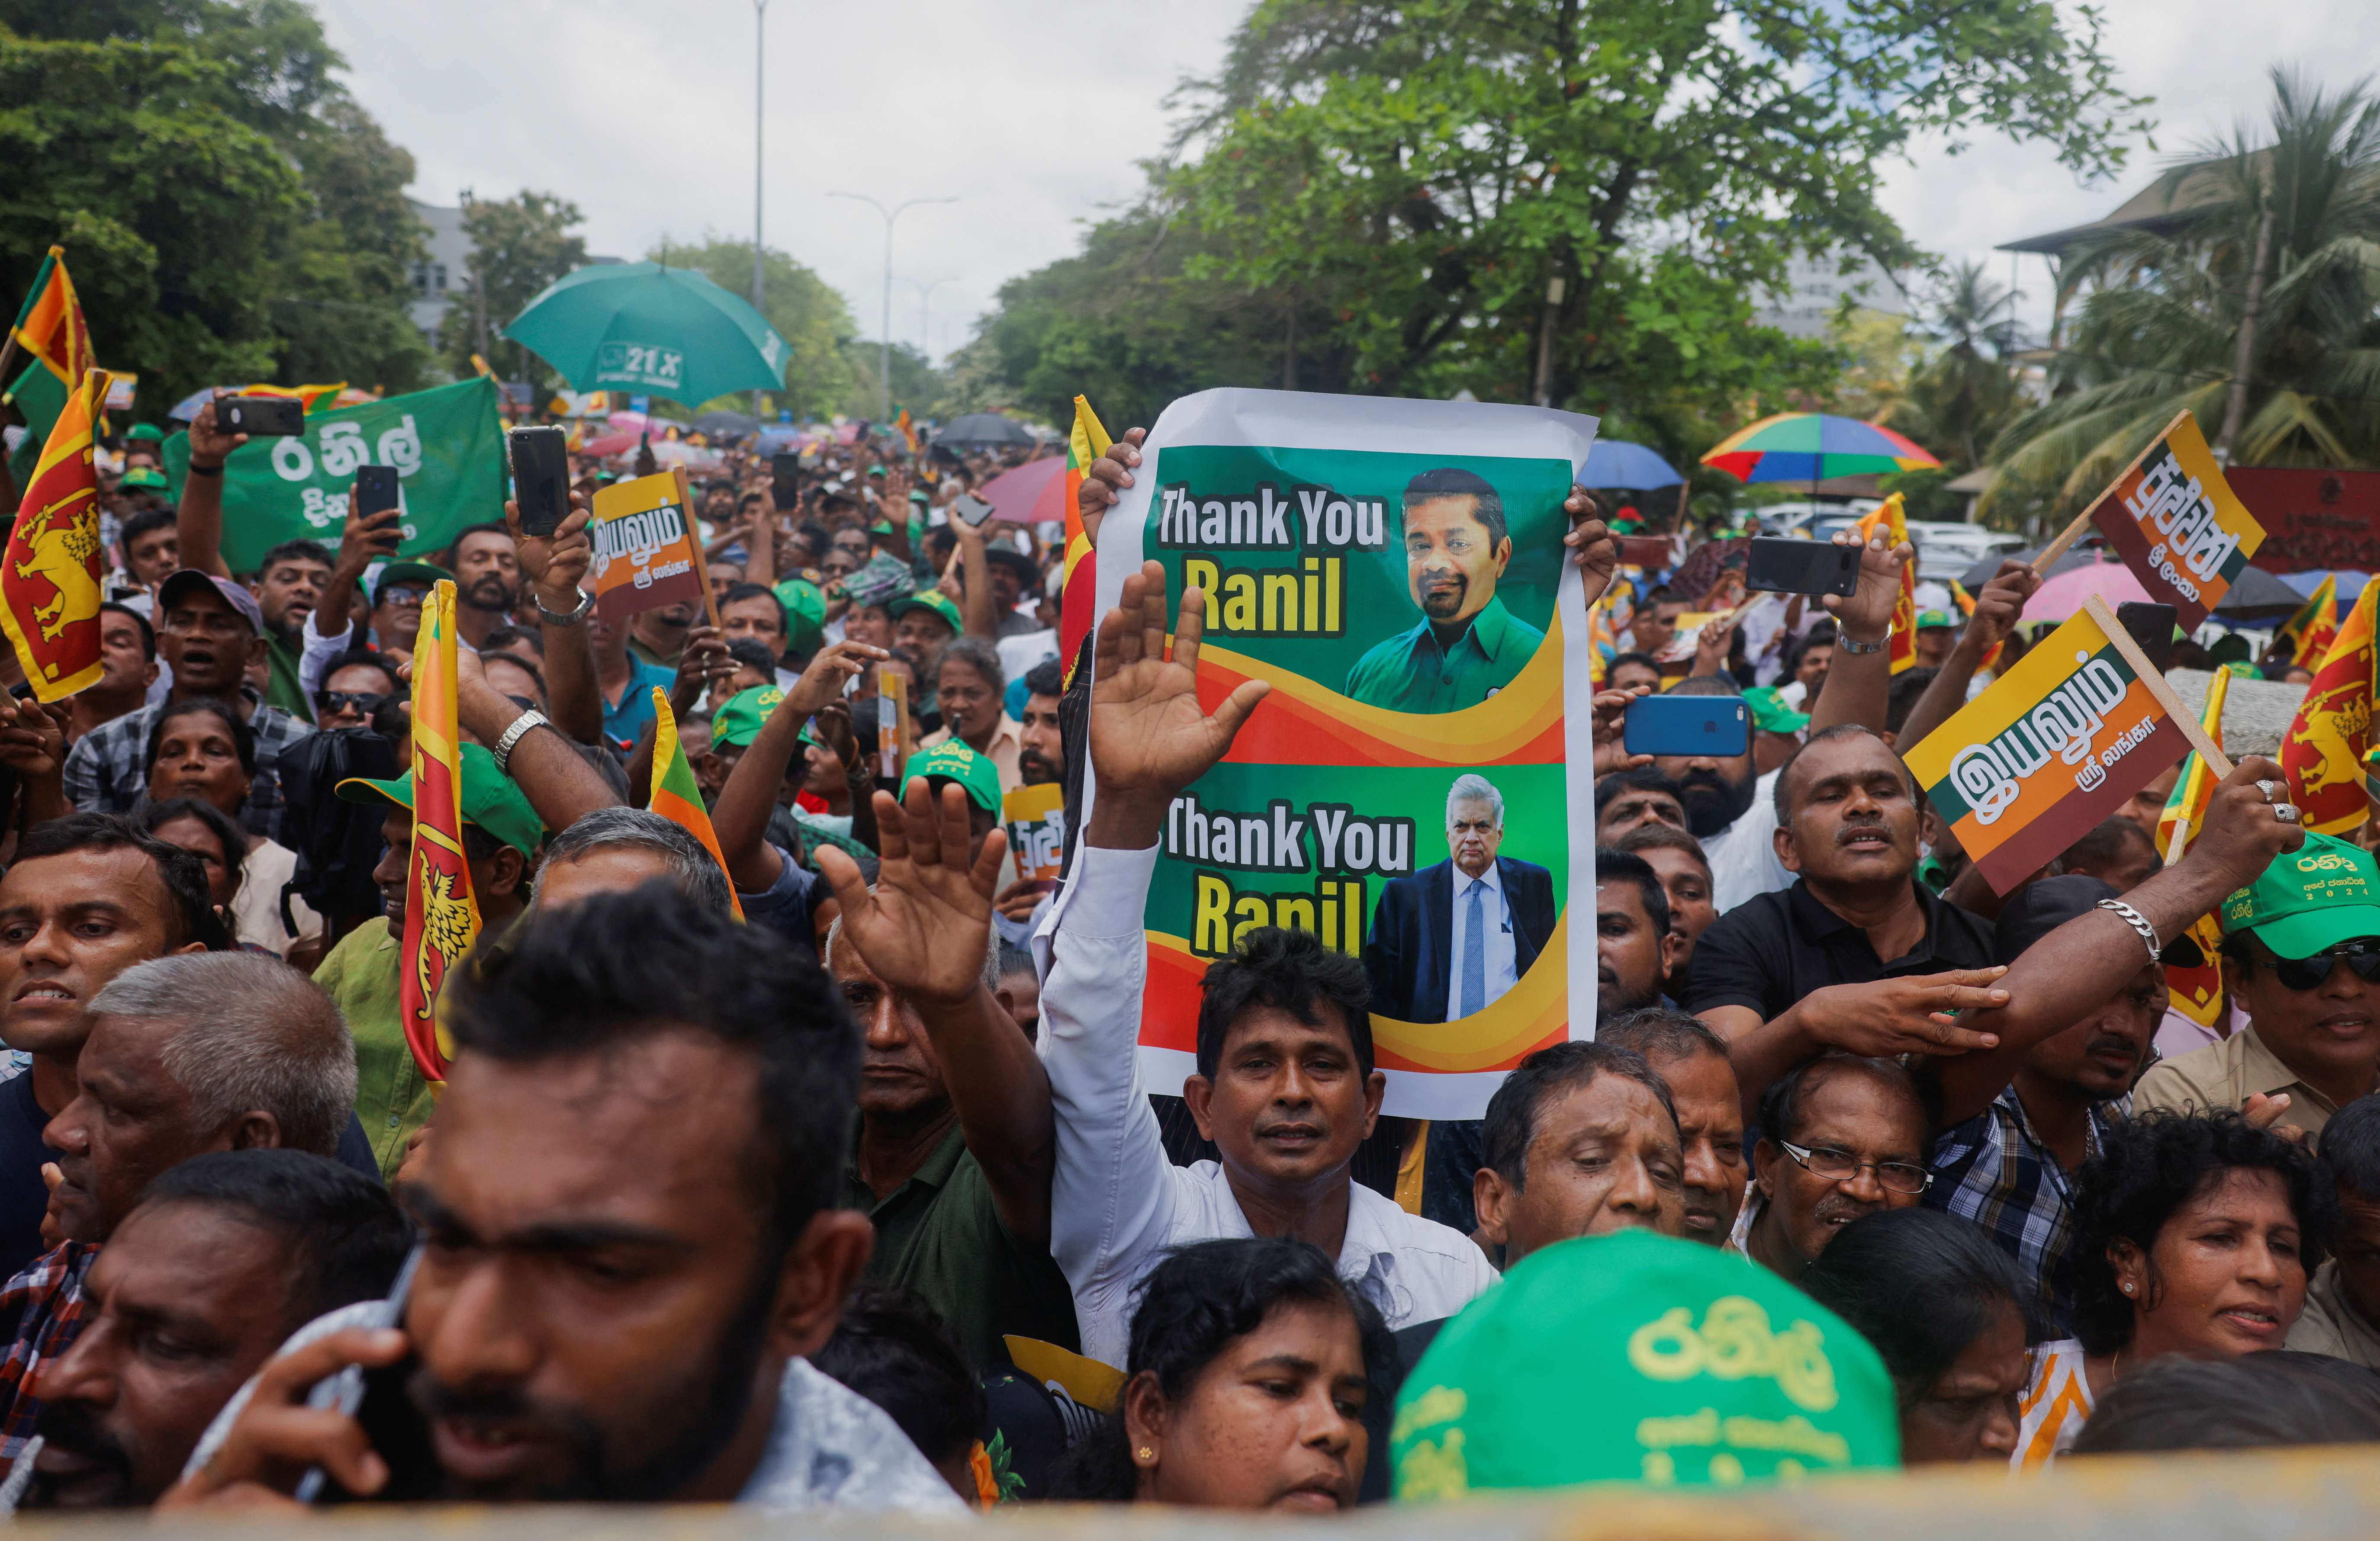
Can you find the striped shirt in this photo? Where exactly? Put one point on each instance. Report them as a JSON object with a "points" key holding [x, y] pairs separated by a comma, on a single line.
{"points": [[42, 1310], [2057, 1404]]}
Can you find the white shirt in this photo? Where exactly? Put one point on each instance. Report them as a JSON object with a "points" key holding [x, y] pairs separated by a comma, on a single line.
{"points": [[1117, 1205], [256, 908], [1496, 907], [1018, 654], [1743, 856], [829, 1447]]}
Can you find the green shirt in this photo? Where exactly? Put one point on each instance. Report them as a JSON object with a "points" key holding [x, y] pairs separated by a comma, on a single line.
{"points": [[392, 1096], [1411, 672], [939, 1234]]}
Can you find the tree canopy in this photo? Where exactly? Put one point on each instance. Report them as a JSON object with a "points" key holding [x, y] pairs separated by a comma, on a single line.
{"points": [[229, 212]]}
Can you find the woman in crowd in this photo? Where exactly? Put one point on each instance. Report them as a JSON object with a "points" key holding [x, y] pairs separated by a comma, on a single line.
{"points": [[1250, 1370], [202, 751], [210, 834], [1945, 1308], [2193, 1234]]}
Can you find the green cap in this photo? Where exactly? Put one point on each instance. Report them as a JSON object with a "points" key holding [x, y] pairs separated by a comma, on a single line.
{"points": [[934, 600], [1637, 1358], [490, 799], [144, 431], [952, 758], [1927, 619], [144, 475], [805, 605], [738, 722], [2324, 893], [1769, 712], [404, 575]]}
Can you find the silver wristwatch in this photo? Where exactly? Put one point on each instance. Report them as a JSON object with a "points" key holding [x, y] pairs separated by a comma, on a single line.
{"points": [[575, 617], [502, 752]]}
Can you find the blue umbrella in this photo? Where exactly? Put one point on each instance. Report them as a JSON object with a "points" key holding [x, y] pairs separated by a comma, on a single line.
{"points": [[1611, 463]]}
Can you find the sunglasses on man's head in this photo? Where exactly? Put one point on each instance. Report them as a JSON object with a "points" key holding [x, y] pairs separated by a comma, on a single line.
{"points": [[365, 701], [2361, 955]]}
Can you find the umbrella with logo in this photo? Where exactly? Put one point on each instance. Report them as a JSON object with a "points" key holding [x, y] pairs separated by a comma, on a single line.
{"points": [[650, 328]]}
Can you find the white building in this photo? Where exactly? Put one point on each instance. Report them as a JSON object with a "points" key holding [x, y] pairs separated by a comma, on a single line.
{"points": [[443, 271], [1814, 291]]}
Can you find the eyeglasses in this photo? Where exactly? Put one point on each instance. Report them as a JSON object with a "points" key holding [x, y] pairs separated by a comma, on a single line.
{"points": [[365, 701], [1841, 1166], [2362, 954]]}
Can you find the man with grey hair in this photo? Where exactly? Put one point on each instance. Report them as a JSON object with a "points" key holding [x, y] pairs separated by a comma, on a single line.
{"points": [[957, 1141], [1447, 943], [1449, 940], [188, 1054], [612, 850]]}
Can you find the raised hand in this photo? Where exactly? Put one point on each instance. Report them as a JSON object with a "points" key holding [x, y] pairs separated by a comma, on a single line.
{"points": [[924, 929], [703, 664], [1610, 729], [1866, 617], [554, 564], [210, 444], [2243, 829], [1107, 478], [2001, 604], [823, 682], [1591, 543], [276, 1436], [1150, 737]]}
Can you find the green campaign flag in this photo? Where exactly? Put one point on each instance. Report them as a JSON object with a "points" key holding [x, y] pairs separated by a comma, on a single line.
{"points": [[446, 443], [40, 396]]}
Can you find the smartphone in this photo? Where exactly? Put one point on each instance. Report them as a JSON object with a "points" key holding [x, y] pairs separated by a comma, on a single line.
{"points": [[1644, 551], [2152, 626], [1788, 566], [1715, 726], [784, 480], [376, 489], [540, 459], [260, 416], [970, 510], [346, 1392]]}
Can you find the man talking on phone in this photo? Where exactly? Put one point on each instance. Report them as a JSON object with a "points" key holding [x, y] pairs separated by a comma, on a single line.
{"points": [[1466, 646]]}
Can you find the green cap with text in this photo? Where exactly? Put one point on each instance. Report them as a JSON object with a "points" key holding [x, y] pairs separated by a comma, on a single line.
{"points": [[738, 722], [1640, 1358], [2324, 893], [952, 759]]}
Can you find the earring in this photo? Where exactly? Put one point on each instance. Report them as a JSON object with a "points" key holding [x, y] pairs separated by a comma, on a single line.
{"points": [[2127, 1286], [1145, 1452]]}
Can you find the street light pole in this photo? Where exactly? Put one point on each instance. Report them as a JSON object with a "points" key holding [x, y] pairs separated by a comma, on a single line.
{"points": [[884, 350], [926, 312], [760, 75]]}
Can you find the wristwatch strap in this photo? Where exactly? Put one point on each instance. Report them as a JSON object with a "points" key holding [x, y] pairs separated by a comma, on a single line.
{"points": [[575, 617], [1852, 645], [502, 752]]}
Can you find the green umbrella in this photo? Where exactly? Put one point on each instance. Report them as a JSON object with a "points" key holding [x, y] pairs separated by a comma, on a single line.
{"points": [[643, 327]]}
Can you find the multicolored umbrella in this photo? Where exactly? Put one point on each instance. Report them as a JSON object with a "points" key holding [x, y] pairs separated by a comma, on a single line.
{"points": [[1814, 446]]}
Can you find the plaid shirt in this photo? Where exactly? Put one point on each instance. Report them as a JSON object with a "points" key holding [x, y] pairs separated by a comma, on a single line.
{"points": [[41, 1309], [1992, 1170], [104, 771]]}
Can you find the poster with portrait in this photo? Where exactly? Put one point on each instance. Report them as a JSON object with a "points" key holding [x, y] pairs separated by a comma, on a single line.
{"points": [[1418, 788]]}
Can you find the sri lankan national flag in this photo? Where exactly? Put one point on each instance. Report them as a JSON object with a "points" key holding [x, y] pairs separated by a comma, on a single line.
{"points": [[49, 578], [50, 325], [311, 398], [442, 915], [2310, 629], [2323, 752], [2197, 989], [2054, 747], [675, 794], [1894, 522], [1078, 601]]}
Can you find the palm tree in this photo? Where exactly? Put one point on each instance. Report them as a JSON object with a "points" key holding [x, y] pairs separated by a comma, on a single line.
{"points": [[2256, 307], [1958, 401]]}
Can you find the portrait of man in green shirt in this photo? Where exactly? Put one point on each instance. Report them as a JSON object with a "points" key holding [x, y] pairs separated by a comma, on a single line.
{"points": [[1468, 645]]}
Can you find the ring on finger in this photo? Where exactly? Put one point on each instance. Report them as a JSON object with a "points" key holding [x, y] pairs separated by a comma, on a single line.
{"points": [[2285, 812], [2264, 789]]}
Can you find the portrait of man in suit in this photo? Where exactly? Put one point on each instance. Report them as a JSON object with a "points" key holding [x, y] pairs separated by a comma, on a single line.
{"points": [[1448, 940]]}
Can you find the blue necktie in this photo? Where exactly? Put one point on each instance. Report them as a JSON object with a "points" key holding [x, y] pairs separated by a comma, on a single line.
{"points": [[1475, 951]]}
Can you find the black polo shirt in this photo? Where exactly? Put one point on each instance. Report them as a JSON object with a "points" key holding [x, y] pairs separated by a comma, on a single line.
{"points": [[1773, 949]]}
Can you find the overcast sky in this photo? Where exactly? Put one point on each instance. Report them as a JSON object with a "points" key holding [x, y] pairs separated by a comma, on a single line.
{"points": [[1033, 112]]}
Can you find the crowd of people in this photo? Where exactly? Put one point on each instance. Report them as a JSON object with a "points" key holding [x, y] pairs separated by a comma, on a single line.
{"points": [[827, 1175]]}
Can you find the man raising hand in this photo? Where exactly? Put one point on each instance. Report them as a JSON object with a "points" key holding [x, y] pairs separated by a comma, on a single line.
{"points": [[1285, 1086]]}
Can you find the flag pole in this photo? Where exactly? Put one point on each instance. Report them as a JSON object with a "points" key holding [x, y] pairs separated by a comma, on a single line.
{"points": [[2183, 718]]}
